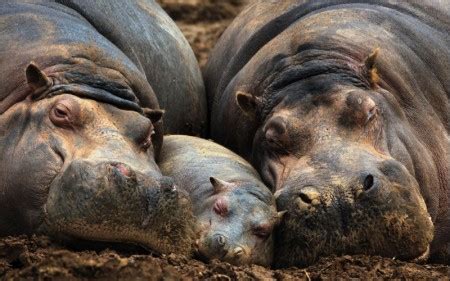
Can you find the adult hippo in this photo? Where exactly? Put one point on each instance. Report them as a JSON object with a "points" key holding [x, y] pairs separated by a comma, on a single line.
{"points": [[343, 107], [80, 125]]}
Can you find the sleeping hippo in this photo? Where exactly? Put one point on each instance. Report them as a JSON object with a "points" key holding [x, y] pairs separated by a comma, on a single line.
{"points": [[235, 211], [343, 107], [80, 124]]}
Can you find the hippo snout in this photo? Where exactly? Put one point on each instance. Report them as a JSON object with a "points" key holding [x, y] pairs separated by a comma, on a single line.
{"points": [[111, 201], [222, 247], [375, 209]]}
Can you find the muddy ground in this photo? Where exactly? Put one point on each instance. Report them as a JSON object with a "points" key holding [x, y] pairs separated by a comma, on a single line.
{"points": [[202, 21], [38, 258]]}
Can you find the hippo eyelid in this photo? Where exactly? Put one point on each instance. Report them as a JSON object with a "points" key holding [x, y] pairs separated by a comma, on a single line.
{"points": [[259, 195]]}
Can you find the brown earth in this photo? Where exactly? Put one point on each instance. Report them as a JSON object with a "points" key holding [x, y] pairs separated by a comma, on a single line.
{"points": [[202, 21], [38, 258]]}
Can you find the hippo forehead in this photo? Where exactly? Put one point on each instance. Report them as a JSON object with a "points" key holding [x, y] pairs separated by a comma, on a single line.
{"points": [[259, 205], [253, 191], [322, 107]]}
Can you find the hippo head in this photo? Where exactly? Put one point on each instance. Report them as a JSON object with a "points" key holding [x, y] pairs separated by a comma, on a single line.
{"points": [[236, 223], [78, 168], [327, 151]]}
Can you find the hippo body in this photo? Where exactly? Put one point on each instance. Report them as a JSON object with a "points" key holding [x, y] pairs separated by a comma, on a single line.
{"points": [[139, 29], [80, 125], [235, 211], [343, 108]]}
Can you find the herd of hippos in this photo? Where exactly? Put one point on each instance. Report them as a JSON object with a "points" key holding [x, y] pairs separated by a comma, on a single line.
{"points": [[329, 124]]}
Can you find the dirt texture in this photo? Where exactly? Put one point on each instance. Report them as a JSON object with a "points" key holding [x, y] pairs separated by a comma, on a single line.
{"points": [[39, 258], [202, 21]]}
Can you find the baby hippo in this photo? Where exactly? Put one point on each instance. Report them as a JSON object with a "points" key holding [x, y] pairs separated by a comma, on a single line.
{"points": [[235, 211]]}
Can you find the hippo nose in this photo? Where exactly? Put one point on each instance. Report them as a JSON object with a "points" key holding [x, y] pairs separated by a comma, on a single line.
{"points": [[309, 195], [369, 182], [220, 240], [237, 252], [167, 184]]}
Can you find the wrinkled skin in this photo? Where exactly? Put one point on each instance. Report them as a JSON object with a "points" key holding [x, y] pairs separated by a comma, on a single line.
{"points": [[353, 140], [146, 34], [79, 132], [235, 211]]}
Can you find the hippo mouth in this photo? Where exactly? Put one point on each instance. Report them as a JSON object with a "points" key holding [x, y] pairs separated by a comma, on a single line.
{"points": [[110, 202], [370, 226]]}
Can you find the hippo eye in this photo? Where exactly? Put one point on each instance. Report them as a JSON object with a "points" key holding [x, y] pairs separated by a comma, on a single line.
{"points": [[60, 115], [371, 114], [147, 143], [262, 231], [275, 133]]}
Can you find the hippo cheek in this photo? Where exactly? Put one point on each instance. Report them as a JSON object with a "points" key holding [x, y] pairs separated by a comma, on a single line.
{"points": [[381, 222], [111, 202]]}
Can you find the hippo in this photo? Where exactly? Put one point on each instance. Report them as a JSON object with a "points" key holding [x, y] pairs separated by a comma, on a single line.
{"points": [[80, 124], [235, 211], [343, 108]]}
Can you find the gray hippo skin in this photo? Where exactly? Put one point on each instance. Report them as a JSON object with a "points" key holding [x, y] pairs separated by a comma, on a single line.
{"points": [[146, 34], [235, 211], [79, 131], [343, 108]]}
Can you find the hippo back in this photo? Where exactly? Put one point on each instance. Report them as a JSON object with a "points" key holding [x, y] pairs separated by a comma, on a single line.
{"points": [[147, 35], [262, 21]]}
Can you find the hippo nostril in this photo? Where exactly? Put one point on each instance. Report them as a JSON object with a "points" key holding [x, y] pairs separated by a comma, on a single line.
{"points": [[238, 251], [305, 198], [221, 240], [167, 185], [310, 195], [368, 182]]}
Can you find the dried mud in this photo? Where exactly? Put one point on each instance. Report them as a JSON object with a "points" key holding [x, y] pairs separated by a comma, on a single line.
{"points": [[39, 258]]}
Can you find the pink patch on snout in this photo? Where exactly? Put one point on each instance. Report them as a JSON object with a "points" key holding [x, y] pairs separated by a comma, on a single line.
{"points": [[123, 169]]}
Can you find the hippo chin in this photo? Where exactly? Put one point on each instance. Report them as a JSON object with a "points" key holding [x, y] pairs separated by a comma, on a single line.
{"points": [[343, 109]]}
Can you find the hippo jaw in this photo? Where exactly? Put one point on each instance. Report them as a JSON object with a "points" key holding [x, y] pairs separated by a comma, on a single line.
{"points": [[380, 212], [110, 202]]}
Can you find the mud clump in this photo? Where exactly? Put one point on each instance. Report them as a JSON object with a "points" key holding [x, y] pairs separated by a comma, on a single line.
{"points": [[39, 258]]}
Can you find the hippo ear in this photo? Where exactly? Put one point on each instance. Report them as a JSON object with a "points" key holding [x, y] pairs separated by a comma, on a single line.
{"points": [[36, 79], [248, 103], [280, 216], [219, 185], [371, 70], [154, 114]]}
